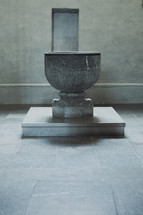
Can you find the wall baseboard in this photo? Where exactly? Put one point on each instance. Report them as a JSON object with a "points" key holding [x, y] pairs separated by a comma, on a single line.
{"points": [[43, 93], [47, 84]]}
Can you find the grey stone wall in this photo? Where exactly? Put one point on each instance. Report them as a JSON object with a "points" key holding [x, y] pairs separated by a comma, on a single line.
{"points": [[112, 27]]}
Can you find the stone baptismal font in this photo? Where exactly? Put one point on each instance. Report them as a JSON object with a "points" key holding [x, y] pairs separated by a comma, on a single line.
{"points": [[72, 73], [72, 114]]}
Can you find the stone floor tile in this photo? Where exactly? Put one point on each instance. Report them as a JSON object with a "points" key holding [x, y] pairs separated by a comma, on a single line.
{"points": [[139, 151], [13, 125], [79, 156], [16, 115], [135, 135], [33, 160], [133, 122], [123, 172], [125, 114], [72, 198], [92, 175], [61, 142], [116, 153], [43, 153], [70, 141], [12, 121], [138, 112], [15, 194], [6, 149], [128, 195], [109, 143], [2, 117], [48, 173], [10, 136], [118, 160]]}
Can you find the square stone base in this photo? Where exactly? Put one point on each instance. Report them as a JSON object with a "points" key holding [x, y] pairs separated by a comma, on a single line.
{"points": [[105, 122]]}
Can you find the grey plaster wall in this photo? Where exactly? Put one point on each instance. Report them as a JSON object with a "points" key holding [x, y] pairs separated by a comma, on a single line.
{"points": [[113, 27]]}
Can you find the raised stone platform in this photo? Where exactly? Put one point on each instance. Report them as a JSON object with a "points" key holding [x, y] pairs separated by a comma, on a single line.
{"points": [[105, 122]]}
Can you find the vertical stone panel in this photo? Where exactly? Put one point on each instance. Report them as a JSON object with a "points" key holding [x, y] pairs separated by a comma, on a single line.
{"points": [[65, 30]]}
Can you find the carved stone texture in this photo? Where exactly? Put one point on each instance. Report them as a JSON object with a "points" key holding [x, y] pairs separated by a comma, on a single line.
{"points": [[72, 73]]}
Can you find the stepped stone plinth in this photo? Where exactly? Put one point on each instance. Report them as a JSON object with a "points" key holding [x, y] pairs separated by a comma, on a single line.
{"points": [[73, 114]]}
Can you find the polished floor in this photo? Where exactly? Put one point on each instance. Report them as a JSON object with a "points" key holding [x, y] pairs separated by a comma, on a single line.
{"points": [[71, 176]]}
